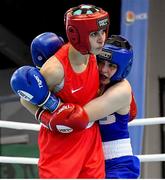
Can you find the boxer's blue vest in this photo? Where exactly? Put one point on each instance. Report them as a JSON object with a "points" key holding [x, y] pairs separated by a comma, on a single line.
{"points": [[119, 160]]}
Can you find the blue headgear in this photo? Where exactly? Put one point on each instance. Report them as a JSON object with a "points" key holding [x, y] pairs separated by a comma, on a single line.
{"points": [[117, 50]]}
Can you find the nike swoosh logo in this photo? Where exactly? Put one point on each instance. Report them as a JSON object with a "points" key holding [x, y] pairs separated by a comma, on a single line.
{"points": [[75, 90]]}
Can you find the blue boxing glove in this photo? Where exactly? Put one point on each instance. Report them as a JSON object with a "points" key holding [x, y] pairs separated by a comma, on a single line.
{"points": [[29, 84], [44, 46]]}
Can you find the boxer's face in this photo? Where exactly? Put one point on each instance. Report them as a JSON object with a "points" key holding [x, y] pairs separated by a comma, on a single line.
{"points": [[97, 40], [106, 71]]}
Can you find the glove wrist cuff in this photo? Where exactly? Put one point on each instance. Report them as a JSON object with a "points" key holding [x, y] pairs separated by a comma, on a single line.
{"points": [[40, 105], [38, 114], [42, 117], [51, 103]]}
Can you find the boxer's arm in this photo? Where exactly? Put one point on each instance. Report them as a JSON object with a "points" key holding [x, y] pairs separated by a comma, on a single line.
{"points": [[115, 99], [42, 49], [53, 73], [29, 106]]}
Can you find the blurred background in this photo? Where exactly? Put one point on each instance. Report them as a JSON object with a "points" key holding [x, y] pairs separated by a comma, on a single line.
{"points": [[141, 21], [22, 21]]}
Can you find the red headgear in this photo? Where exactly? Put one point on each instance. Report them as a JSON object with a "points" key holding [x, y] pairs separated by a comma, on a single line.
{"points": [[81, 21]]}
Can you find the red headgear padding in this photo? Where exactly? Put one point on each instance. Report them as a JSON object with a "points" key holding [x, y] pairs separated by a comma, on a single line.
{"points": [[81, 21]]}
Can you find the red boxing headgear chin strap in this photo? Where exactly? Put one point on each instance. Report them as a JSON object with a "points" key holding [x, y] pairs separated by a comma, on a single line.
{"points": [[81, 21]]}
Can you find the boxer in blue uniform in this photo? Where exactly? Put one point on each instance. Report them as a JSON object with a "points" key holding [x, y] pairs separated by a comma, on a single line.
{"points": [[115, 63]]}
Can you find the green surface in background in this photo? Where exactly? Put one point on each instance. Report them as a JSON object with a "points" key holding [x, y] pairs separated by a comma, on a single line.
{"points": [[19, 170]]}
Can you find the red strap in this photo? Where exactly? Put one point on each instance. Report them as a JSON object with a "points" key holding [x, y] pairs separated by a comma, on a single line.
{"points": [[133, 108]]}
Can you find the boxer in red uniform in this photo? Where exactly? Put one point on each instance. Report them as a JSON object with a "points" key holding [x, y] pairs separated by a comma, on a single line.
{"points": [[74, 71], [115, 63]]}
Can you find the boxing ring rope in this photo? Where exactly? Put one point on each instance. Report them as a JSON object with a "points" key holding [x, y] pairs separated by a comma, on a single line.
{"points": [[24, 160], [19, 125], [36, 127], [19, 160], [147, 121]]}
